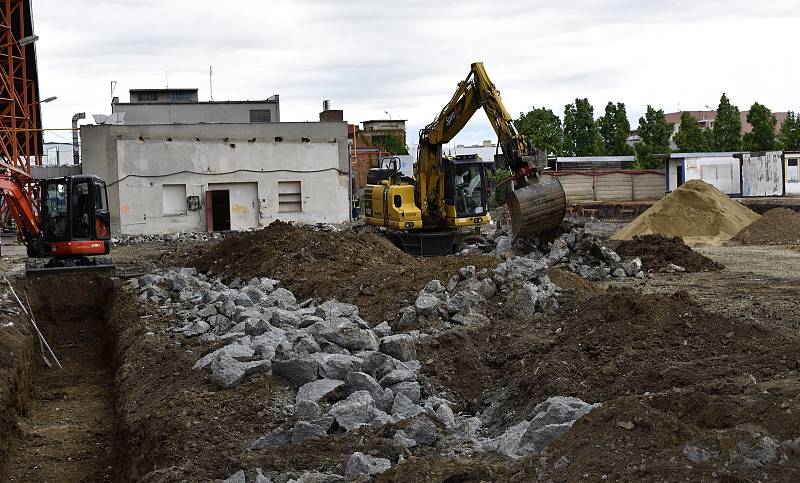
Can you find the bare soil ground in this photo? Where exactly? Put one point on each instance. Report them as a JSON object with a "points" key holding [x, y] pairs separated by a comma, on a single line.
{"points": [[677, 358], [67, 432]]}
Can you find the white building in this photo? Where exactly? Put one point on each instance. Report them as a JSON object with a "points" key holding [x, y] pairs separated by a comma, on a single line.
{"points": [[198, 176], [722, 170]]}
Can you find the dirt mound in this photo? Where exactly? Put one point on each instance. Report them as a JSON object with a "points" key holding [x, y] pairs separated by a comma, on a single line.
{"points": [[696, 211], [356, 267], [658, 251], [777, 226]]}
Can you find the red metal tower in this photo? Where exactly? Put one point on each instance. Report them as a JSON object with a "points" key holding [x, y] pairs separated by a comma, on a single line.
{"points": [[20, 115]]}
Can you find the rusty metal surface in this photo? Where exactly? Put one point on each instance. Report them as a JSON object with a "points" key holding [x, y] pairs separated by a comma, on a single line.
{"points": [[537, 207]]}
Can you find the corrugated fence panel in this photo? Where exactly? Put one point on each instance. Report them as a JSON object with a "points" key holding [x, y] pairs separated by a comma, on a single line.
{"points": [[612, 186], [648, 186]]}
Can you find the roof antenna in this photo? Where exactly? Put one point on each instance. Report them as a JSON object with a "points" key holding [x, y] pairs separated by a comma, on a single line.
{"points": [[166, 76], [210, 85]]}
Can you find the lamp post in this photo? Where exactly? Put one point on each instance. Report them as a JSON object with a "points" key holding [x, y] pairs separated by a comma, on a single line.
{"points": [[23, 41]]}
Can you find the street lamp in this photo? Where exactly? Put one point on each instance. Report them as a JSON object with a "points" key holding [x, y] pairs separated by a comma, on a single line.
{"points": [[49, 99], [23, 41]]}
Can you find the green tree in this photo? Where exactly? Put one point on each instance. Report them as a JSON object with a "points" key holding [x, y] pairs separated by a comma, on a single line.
{"points": [[655, 133], [542, 128], [581, 137], [727, 130], [614, 129], [501, 187], [762, 136], [789, 135], [392, 144], [690, 138]]}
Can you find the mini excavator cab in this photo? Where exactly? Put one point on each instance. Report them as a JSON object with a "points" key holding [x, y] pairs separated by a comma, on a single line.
{"points": [[74, 218]]}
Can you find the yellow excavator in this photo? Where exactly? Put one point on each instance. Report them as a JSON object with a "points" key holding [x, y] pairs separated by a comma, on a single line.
{"points": [[442, 208]]}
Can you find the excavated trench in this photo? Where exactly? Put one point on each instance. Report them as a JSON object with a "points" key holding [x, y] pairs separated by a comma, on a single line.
{"points": [[67, 428]]}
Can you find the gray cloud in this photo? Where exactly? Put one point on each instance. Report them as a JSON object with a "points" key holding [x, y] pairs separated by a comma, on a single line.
{"points": [[408, 56]]}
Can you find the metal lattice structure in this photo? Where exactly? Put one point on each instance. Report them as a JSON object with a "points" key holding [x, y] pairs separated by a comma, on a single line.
{"points": [[20, 115]]}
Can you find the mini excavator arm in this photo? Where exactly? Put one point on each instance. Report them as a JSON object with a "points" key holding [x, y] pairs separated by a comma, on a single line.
{"points": [[12, 182]]}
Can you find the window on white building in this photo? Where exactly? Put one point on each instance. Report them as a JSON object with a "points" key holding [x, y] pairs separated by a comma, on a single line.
{"points": [[792, 173], [289, 197], [173, 199], [260, 116]]}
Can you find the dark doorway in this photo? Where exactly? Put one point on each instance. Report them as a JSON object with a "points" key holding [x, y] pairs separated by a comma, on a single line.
{"points": [[679, 169], [221, 210]]}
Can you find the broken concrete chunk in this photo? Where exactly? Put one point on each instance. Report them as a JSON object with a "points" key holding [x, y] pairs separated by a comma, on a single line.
{"points": [[333, 309], [336, 366], [401, 437], [408, 317], [233, 350], [632, 267], [307, 410], [382, 329], [297, 369], [410, 389], [445, 416], [272, 439], [422, 430], [227, 372], [360, 464], [283, 318], [237, 477], [404, 408], [319, 390], [345, 333], [537, 438], [281, 298], [397, 376], [377, 364], [354, 411], [466, 272], [256, 326], [399, 346], [426, 304], [434, 287], [257, 367], [359, 381], [303, 430], [464, 301], [197, 328], [618, 273], [548, 305], [521, 303]]}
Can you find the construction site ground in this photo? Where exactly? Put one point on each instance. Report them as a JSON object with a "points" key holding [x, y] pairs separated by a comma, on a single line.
{"points": [[675, 359]]}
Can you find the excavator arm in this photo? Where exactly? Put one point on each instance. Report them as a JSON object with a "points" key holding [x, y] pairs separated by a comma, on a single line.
{"points": [[533, 209], [12, 182]]}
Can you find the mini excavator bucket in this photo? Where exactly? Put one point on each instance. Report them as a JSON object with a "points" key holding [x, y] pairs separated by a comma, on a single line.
{"points": [[537, 207]]}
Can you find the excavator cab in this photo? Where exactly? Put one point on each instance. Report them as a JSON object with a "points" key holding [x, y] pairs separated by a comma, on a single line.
{"points": [[466, 189], [75, 219]]}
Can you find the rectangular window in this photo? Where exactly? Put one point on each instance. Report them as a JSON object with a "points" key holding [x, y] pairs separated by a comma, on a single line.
{"points": [[173, 200], [289, 197], [148, 97], [260, 116], [181, 96], [792, 173]]}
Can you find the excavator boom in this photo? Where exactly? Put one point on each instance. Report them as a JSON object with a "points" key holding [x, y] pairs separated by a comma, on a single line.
{"points": [[537, 205]]}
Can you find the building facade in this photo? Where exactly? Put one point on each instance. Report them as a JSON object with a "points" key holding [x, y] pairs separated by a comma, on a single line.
{"points": [[181, 106], [168, 178]]}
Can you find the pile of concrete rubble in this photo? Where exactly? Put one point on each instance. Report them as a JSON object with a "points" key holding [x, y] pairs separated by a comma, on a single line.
{"points": [[348, 374], [122, 240], [574, 250]]}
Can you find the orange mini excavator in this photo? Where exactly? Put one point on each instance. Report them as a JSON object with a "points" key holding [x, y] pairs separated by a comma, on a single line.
{"points": [[71, 226]]}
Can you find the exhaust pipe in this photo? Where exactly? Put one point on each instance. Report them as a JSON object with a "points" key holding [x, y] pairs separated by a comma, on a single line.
{"points": [[76, 153]]}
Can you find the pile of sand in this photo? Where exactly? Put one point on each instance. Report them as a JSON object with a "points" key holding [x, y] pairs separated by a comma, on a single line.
{"points": [[697, 212], [777, 226]]}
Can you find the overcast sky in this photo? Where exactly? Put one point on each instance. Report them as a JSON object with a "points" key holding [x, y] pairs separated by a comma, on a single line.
{"points": [[407, 56]]}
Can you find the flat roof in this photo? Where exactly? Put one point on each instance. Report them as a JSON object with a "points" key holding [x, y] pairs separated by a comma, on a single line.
{"points": [[385, 120], [265, 101], [593, 159], [166, 89]]}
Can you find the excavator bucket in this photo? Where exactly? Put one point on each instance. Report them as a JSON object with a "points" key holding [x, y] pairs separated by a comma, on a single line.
{"points": [[537, 207]]}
